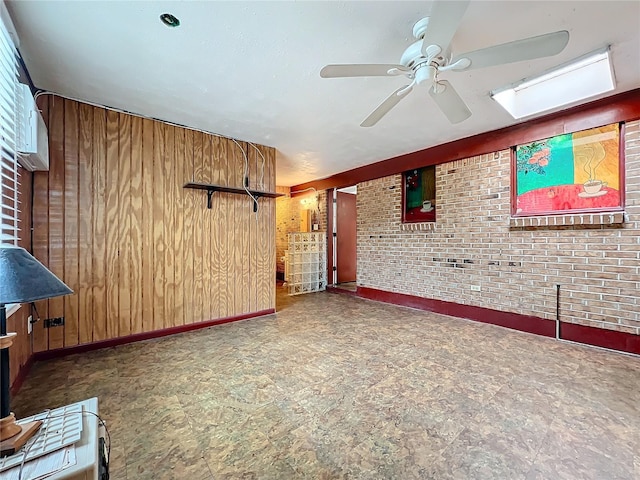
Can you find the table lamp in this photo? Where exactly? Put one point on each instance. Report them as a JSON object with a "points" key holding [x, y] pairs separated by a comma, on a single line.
{"points": [[23, 279]]}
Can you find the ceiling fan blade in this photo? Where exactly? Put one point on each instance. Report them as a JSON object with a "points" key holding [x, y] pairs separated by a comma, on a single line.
{"points": [[390, 102], [443, 22], [361, 70], [449, 102], [525, 49]]}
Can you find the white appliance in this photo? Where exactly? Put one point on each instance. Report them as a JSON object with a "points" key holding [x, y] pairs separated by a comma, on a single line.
{"points": [[73, 424], [33, 140]]}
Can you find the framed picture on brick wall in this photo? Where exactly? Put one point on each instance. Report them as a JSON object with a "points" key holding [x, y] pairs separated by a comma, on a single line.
{"points": [[580, 172], [419, 195]]}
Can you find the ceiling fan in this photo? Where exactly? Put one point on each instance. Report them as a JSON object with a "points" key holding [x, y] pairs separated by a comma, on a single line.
{"points": [[430, 55]]}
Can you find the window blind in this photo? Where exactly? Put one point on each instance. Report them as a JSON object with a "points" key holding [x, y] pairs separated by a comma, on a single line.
{"points": [[9, 175]]}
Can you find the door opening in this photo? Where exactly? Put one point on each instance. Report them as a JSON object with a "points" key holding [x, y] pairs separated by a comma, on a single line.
{"points": [[345, 240]]}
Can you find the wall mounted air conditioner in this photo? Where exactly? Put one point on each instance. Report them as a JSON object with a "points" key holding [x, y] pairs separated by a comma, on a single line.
{"points": [[33, 140]]}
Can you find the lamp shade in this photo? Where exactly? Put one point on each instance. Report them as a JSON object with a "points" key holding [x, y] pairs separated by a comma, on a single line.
{"points": [[24, 279]]}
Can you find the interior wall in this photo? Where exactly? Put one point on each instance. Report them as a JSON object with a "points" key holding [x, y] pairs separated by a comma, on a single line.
{"points": [[286, 216], [473, 243], [289, 214], [20, 352], [112, 219]]}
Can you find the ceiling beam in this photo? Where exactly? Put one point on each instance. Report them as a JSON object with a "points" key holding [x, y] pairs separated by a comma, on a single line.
{"points": [[616, 108]]}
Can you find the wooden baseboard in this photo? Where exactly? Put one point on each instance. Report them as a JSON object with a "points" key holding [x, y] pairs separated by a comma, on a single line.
{"points": [[22, 375], [138, 337]]}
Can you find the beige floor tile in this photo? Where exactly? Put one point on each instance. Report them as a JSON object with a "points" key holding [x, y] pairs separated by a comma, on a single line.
{"points": [[338, 387]]}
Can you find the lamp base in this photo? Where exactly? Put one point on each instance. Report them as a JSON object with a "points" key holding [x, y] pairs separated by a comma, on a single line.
{"points": [[14, 436], [7, 340]]}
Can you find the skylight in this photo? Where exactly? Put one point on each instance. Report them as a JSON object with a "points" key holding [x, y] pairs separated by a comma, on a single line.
{"points": [[582, 78]]}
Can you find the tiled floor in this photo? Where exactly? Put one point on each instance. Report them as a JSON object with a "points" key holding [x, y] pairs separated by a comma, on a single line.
{"points": [[339, 387], [350, 286]]}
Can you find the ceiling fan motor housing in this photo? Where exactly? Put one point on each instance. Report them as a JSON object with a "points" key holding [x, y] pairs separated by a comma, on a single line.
{"points": [[413, 57], [420, 28]]}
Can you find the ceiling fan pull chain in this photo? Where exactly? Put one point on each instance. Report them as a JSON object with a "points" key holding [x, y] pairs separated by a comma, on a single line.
{"points": [[438, 87]]}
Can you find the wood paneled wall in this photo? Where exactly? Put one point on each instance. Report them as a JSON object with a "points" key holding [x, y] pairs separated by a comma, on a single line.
{"points": [[20, 352], [140, 252]]}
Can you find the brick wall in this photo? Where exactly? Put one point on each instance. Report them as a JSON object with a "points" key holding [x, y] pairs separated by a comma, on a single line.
{"points": [[517, 266], [322, 211], [288, 216]]}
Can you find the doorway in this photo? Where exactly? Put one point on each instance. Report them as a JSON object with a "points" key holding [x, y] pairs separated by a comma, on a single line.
{"points": [[345, 240]]}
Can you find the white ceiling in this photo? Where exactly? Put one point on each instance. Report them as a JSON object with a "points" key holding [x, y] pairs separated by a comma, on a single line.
{"points": [[250, 70]]}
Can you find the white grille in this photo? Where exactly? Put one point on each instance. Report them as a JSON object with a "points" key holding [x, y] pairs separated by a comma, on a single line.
{"points": [[60, 427]]}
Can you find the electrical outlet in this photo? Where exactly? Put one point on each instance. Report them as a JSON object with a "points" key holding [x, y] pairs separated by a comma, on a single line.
{"points": [[29, 324], [54, 322], [475, 288]]}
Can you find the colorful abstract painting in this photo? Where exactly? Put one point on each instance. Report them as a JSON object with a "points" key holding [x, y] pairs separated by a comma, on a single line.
{"points": [[573, 172]]}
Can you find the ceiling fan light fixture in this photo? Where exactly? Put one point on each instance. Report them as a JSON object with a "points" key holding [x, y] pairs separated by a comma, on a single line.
{"points": [[582, 78], [170, 20], [425, 73]]}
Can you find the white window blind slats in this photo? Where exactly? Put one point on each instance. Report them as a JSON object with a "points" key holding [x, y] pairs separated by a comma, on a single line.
{"points": [[7, 148], [7, 96], [6, 74], [6, 216], [9, 178], [5, 51], [8, 224], [6, 43], [9, 196], [7, 134], [6, 62], [7, 115], [8, 127], [8, 237], [6, 48]]}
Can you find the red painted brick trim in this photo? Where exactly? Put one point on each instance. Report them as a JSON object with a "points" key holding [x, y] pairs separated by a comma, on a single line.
{"points": [[597, 337], [515, 321], [138, 337], [600, 337], [22, 375]]}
